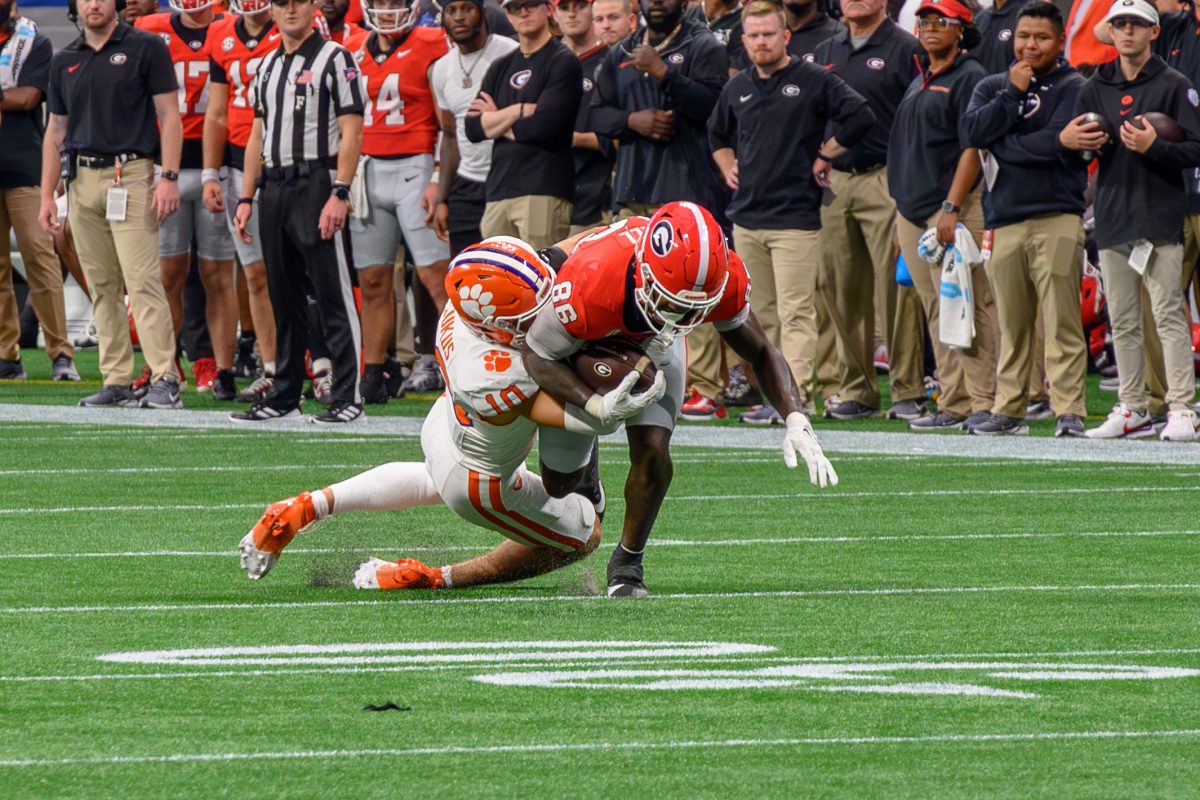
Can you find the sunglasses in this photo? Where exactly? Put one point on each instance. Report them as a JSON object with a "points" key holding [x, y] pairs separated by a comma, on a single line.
{"points": [[518, 8], [1121, 23], [939, 23]]}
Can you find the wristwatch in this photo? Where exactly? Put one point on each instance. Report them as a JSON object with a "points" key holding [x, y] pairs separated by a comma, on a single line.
{"points": [[949, 208], [342, 192], [170, 175]]}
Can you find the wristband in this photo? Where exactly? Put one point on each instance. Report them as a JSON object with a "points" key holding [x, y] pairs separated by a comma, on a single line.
{"points": [[594, 405], [825, 158], [245, 201], [207, 175]]}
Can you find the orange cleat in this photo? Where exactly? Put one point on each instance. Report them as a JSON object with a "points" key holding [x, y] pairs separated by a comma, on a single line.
{"points": [[260, 548], [407, 573]]}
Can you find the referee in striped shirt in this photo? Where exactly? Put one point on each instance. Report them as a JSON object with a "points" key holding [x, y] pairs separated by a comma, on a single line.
{"points": [[302, 153]]}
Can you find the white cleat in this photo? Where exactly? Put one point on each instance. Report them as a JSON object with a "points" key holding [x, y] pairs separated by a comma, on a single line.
{"points": [[365, 575], [255, 562]]}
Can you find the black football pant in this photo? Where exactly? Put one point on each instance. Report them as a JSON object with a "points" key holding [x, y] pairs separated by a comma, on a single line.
{"points": [[300, 264]]}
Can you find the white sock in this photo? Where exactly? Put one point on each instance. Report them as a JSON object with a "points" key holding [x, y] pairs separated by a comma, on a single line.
{"points": [[269, 366], [446, 582], [388, 487], [320, 504], [322, 365]]}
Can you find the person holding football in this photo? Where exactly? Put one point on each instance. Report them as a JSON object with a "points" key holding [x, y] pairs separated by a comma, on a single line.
{"points": [[475, 439]]}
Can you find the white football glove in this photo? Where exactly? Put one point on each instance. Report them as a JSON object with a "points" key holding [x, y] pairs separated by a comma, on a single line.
{"points": [[621, 403], [799, 438]]}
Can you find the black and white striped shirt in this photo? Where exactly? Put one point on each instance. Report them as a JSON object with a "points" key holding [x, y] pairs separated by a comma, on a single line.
{"points": [[298, 98]]}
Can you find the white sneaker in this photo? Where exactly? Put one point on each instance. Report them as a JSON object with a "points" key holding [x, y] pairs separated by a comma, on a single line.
{"points": [[1123, 422], [1181, 426]]}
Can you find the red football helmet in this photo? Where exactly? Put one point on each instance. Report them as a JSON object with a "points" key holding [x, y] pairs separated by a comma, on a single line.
{"points": [[498, 286], [390, 17], [190, 6], [682, 267], [249, 6]]}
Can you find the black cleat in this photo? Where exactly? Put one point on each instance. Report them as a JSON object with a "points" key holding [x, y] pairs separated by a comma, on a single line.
{"points": [[626, 581], [373, 386]]}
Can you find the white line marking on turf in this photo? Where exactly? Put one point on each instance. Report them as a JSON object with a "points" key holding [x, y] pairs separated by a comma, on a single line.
{"points": [[355, 547], [260, 468], [562, 598], [798, 494], [509, 749]]}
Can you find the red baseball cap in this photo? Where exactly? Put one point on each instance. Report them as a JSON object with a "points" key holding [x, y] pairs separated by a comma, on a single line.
{"points": [[951, 9]]}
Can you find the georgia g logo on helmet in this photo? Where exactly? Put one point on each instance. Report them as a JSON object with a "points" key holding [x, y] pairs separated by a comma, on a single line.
{"points": [[662, 236], [682, 267]]}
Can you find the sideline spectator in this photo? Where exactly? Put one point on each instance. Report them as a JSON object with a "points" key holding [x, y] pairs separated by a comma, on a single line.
{"points": [[878, 60], [527, 104], [767, 135], [1140, 241], [997, 26], [113, 101], [138, 8], [614, 20], [930, 166], [308, 113], [462, 164], [1034, 209], [187, 36], [25, 56], [593, 156], [399, 133]]}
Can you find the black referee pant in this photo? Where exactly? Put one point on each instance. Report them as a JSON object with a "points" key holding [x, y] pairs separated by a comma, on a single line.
{"points": [[299, 264]]}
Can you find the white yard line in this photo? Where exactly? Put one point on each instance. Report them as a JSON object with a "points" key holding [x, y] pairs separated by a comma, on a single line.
{"points": [[392, 602], [352, 547], [561, 747]]}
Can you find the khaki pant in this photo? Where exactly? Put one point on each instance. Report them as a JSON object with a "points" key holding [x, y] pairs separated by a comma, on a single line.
{"points": [[19, 211], [857, 231], [637, 210], [606, 218], [826, 369], [783, 267], [1035, 270], [1156, 378], [113, 253], [1162, 282], [968, 377], [538, 219]]}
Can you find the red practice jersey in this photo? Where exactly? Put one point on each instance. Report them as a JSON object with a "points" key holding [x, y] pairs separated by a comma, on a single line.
{"points": [[593, 292], [400, 119], [190, 53]]}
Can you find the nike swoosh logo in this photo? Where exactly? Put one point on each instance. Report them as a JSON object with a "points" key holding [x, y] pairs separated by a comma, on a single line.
{"points": [[409, 178], [402, 53], [73, 67], [744, 98], [1126, 111], [272, 37]]}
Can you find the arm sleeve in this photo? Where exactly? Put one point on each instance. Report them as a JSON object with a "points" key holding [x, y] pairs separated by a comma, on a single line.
{"points": [[1185, 154], [557, 104], [722, 124], [848, 109], [160, 72], [991, 113], [344, 84], [693, 96], [472, 124], [554, 256], [1040, 146], [606, 117], [216, 73]]}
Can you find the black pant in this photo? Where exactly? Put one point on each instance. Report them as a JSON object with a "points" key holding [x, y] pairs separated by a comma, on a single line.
{"points": [[299, 264], [465, 202]]}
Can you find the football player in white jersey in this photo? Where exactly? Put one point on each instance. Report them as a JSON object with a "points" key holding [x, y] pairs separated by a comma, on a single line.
{"points": [[475, 439]]}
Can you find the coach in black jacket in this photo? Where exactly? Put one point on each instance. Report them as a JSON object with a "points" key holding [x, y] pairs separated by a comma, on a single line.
{"points": [[1140, 206], [1033, 205], [766, 132]]}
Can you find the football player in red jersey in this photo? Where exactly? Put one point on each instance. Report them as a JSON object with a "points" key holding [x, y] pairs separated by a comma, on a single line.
{"points": [[655, 280], [185, 30], [400, 128], [342, 29]]}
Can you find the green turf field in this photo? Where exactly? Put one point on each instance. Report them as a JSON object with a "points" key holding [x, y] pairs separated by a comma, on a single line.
{"points": [[970, 625]]}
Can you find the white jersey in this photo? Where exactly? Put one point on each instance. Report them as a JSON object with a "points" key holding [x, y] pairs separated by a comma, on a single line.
{"points": [[484, 380]]}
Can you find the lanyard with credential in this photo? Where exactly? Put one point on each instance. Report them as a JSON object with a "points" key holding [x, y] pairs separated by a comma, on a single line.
{"points": [[118, 196]]}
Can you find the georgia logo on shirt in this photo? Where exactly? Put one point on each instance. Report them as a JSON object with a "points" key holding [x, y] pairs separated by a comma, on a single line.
{"points": [[675, 58], [117, 58], [587, 84], [791, 90], [519, 79], [1004, 35], [1193, 97], [875, 63]]}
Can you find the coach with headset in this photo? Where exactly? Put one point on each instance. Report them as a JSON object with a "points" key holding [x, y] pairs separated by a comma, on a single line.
{"points": [[111, 91]]}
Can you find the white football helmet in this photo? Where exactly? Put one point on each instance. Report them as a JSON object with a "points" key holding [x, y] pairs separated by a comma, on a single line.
{"points": [[191, 6], [390, 17], [252, 7]]}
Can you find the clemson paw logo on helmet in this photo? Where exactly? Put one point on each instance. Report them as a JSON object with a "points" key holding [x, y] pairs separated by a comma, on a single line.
{"points": [[476, 302], [496, 361]]}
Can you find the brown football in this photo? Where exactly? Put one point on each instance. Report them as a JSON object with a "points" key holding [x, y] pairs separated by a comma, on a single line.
{"points": [[1167, 129], [604, 363]]}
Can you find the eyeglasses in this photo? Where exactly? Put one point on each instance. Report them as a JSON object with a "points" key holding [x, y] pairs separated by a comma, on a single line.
{"points": [[1121, 23], [940, 23], [516, 9]]}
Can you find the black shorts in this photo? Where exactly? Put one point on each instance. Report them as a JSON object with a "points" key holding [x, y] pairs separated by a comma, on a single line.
{"points": [[466, 201]]}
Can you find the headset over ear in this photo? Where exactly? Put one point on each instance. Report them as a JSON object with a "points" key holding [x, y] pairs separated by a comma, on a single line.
{"points": [[73, 10]]}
